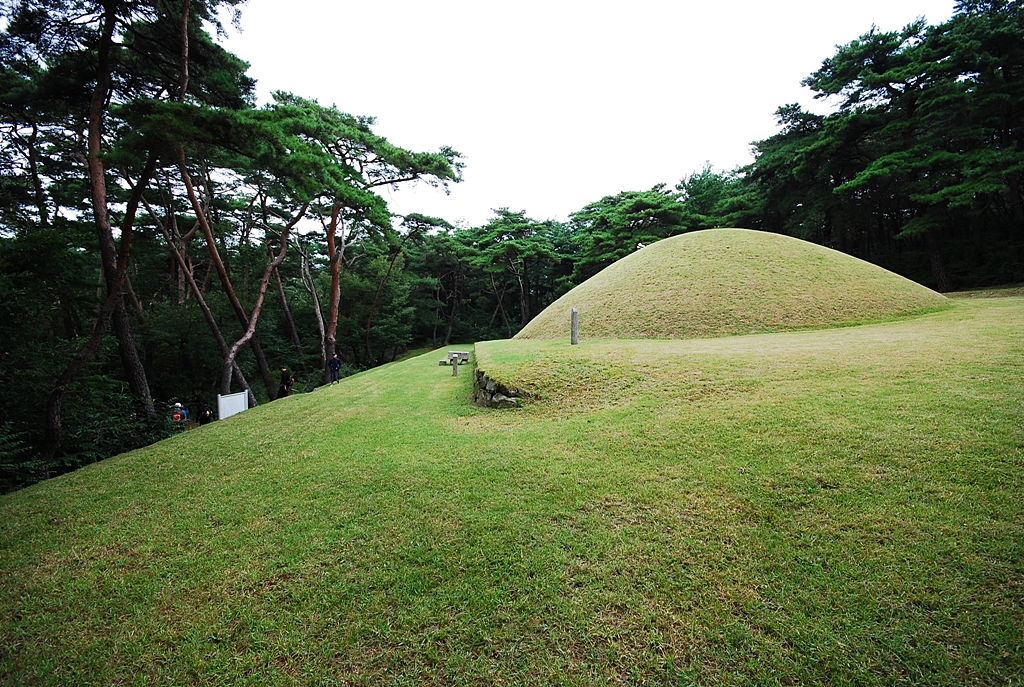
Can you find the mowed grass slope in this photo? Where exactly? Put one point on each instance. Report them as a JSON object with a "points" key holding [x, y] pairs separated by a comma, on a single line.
{"points": [[730, 281], [833, 507]]}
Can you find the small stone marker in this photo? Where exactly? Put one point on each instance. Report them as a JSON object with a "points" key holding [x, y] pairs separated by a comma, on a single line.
{"points": [[575, 327], [454, 358]]}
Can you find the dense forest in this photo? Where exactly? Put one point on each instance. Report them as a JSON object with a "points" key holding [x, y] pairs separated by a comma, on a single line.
{"points": [[164, 239]]}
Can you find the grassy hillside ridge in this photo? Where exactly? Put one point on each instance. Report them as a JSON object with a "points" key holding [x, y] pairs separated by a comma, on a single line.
{"points": [[719, 282], [610, 371], [826, 507]]}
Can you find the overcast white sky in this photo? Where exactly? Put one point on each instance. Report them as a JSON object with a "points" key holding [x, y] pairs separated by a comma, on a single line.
{"points": [[556, 104]]}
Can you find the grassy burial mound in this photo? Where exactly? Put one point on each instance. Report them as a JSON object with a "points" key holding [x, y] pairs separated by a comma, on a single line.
{"points": [[821, 507], [730, 281]]}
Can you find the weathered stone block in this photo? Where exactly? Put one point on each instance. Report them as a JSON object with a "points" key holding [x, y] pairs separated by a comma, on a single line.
{"points": [[500, 400]]}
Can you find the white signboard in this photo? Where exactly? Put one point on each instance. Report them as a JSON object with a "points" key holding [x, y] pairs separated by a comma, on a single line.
{"points": [[232, 404]]}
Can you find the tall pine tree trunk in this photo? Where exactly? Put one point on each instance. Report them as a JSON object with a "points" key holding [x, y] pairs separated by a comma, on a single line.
{"points": [[130, 360], [334, 255], [55, 403], [257, 307], [225, 280], [307, 281], [942, 282], [376, 300], [291, 320], [1016, 204], [173, 241], [501, 305]]}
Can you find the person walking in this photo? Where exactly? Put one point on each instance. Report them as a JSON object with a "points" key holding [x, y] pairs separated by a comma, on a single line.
{"points": [[335, 367], [205, 414], [286, 382], [179, 414]]}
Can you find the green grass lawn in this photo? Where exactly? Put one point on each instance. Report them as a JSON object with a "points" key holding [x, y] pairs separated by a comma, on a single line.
{"points": [[834, 507]]}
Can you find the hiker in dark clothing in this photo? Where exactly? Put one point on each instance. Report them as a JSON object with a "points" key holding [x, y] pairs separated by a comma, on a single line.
{"points": [[335, 367], [205, 414], [286, 382]]}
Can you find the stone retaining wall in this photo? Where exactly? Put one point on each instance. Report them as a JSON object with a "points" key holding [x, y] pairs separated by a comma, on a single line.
{"points": [[490, 394]]}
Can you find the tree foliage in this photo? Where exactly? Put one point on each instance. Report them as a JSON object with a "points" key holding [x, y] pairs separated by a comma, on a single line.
{"points": [[919, 168]]}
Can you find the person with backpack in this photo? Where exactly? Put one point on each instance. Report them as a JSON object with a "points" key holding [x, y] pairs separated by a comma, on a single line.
{"points": [[179, 415], [205, 415]]}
